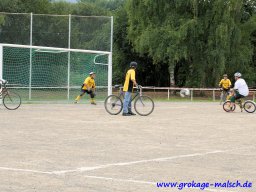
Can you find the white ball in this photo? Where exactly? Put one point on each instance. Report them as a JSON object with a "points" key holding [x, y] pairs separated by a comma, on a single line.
{"points": [[184, 92]]}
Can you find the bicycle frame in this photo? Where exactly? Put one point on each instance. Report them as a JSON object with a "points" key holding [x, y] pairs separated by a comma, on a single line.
{"points": [[138, 92], [240, 103]]}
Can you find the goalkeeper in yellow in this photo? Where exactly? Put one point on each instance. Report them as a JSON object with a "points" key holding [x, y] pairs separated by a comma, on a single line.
{"points": [[225, 83], [88, 87]]}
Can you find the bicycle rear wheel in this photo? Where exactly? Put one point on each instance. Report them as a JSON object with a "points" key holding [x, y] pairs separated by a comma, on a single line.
{"points": [[11, 100], [249, 106], [144, 105], [113, 104], [227, 108]]}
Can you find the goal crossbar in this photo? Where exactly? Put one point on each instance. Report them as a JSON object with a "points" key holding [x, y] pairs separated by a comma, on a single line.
{"points": [[55, 48]]}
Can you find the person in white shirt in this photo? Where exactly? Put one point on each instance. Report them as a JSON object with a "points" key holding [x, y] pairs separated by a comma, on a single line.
{"points": [[241, 89]]}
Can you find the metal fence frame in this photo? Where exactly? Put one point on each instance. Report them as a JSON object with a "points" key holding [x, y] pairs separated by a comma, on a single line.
{"points": [[169, 89]]}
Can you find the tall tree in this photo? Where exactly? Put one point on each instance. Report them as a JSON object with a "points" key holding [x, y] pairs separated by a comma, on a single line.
{"points": [[201, 38]]}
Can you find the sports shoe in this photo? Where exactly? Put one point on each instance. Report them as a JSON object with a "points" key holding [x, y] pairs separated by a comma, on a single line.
{"points": [[126, 114], [93, 103], [131, 113], [76, 102]]}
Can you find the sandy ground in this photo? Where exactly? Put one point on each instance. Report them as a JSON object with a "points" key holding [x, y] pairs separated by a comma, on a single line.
{"points": [[78, 148]]}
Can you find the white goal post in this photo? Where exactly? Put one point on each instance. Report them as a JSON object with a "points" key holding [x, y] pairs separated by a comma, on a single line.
{"points": [[50, 73]]}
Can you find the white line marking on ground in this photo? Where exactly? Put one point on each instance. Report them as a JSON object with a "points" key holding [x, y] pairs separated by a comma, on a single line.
{"points": [[86, 169], [25, 170]]}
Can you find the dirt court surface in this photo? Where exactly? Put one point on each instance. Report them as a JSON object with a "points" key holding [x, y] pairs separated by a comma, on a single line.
{"points": [[81, 148]]}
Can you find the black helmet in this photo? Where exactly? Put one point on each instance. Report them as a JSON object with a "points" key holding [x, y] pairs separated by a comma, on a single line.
{"points": [[133, 64]]}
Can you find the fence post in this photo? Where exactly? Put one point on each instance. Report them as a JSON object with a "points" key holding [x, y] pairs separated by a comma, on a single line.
{"points": [[213, 95], [168, 94], [253, 97], [191, 93]]}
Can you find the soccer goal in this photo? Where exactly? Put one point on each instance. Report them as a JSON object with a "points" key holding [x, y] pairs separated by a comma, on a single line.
{"points": [[47, 57], [40, 73]]}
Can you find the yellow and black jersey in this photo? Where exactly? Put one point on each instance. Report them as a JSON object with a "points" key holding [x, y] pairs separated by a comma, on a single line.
{"points": [[128, 84], [225, 83], [89, 82]]}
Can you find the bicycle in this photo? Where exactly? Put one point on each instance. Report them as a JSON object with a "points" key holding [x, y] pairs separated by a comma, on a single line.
{"points": [[11, 100], [248, 105], [143, 105]]}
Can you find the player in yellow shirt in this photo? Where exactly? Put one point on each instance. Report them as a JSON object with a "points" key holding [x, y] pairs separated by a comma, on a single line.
{"points": [[130, 82], [88, 87], [224, 84]]}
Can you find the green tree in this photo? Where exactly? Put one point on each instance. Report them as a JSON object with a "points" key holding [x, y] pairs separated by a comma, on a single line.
{"points": [[199, 40]]}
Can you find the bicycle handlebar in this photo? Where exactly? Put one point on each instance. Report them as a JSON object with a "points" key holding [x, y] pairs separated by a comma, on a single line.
{"points": [[120, 86]]}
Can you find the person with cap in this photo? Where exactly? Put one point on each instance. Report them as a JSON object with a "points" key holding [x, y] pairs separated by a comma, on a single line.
{"points": [[130, 82], [224, 85], [88, 87], [241, 89]]}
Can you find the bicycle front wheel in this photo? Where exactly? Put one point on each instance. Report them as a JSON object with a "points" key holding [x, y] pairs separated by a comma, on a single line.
{"points": [[249, 106], [113, 104], [144, 105], [227, 108], [11, 100]]}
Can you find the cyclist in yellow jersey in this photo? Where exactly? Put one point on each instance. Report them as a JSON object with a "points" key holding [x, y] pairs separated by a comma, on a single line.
{"points": [[88, 87], [225, 83], [130, 82]]}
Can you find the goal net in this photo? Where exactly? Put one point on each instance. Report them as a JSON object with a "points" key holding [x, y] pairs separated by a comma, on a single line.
{"points": [[52, 74], [46, 57]]}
